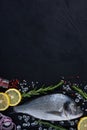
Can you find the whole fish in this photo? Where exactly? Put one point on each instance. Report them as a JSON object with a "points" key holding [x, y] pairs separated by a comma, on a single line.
{"points": [[54, 107]]}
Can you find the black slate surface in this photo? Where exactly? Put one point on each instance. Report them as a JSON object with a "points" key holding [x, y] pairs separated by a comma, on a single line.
{"points": [[43, 40]]}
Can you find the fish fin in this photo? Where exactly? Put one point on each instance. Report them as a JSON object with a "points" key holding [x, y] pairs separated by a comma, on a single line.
{"points": [[54, 113]]}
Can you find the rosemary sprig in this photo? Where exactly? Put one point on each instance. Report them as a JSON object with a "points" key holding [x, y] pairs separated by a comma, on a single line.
{"points": [[81, 92], [42, 90], [51, 125]]}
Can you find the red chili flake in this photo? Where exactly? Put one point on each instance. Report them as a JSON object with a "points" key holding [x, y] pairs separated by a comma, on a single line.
{"points": [[13, 83], [65, 82], [78, 77], [73, 94]]}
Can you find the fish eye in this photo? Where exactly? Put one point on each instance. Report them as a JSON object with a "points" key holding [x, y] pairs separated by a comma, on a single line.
{"points": [[70, 107], [66, 106]]}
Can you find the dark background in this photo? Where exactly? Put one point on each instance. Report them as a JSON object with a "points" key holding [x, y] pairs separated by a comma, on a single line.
{"points": [[42, 40]]}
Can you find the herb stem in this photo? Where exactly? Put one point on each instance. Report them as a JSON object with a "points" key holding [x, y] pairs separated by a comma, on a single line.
{"points": [[42, 90], [81, 92], [51, 125]]}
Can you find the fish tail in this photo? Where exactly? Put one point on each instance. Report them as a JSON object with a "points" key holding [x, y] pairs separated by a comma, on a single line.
{"points": [[15, 109]]}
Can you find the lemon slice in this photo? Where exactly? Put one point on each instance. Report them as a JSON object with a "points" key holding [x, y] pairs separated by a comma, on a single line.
{"points": [[82, 125], [4, 101], [14, 95]]}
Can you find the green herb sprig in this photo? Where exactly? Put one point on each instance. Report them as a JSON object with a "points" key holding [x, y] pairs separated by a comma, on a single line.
{"points": [[42, 90], [51, 125], [80, 91]]}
